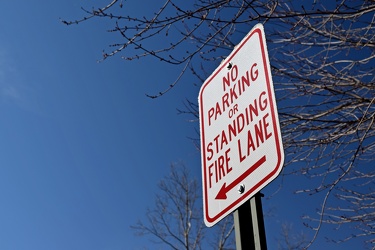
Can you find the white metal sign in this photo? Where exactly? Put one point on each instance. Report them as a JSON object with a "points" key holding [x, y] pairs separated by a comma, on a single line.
{"points": [[240, 133]]}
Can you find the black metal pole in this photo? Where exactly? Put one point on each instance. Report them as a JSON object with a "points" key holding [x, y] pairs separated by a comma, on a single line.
{"points": [[249, 225]]}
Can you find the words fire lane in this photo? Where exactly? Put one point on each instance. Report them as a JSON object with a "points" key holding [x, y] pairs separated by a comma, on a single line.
{"points": [[240, 135]]}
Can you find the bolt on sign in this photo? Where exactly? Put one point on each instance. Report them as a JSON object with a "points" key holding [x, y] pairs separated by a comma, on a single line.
{"points": [[241, 142]]}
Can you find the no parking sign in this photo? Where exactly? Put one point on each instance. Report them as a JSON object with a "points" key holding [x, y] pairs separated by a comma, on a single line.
{"points": [[241, 142]]}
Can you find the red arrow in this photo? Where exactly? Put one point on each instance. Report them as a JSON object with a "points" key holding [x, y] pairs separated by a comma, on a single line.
{"points": [[222, 195]]}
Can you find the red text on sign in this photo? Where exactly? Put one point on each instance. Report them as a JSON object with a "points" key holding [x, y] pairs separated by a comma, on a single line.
{"points": [[237, 85], [255, 137], [237, 125], [219, 168]]}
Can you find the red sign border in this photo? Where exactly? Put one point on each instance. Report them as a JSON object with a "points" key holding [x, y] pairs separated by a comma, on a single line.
{"points": [[279, 164]]}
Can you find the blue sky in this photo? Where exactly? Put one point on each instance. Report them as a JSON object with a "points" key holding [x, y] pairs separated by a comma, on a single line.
{"points": [[81, 146]]}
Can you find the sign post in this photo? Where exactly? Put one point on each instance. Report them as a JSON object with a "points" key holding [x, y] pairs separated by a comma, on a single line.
{"points": [[240, 133], [249, 225]]}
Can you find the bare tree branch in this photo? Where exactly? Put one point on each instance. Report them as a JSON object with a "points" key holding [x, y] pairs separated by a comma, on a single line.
{"points": [[322, 58], [176, 219]]}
